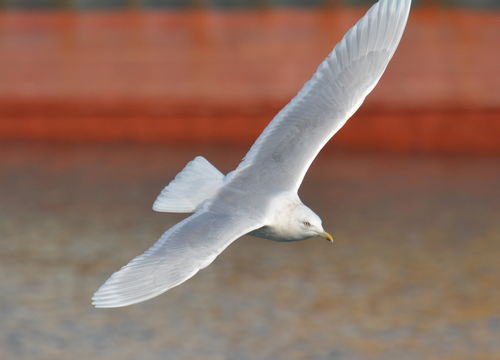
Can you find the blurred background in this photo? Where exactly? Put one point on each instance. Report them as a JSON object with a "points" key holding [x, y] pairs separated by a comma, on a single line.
{"points": [[102, 102]]}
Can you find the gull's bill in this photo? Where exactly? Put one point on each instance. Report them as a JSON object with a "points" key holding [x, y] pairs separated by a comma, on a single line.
{"points": [[326, 235]]}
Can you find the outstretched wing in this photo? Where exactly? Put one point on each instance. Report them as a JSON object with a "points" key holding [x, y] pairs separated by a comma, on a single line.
{"points": [[284, 151], [184, 249]]}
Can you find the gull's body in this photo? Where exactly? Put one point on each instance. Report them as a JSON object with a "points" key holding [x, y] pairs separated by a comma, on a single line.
{"points": [[260, 196]]}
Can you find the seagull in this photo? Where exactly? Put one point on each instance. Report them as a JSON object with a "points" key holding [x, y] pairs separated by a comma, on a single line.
{"points": [[259, 197]]}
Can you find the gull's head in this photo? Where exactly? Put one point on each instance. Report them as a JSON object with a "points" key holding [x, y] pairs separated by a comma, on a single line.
{"points": [[308, 224]]}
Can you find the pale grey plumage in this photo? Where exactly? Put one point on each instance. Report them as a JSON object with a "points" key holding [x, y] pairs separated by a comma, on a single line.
{"points": [[262, 190], [289, 144], [181, 251]]}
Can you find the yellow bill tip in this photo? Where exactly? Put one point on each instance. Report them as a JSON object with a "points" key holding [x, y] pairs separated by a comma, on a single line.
{"points": [[327, 236]]}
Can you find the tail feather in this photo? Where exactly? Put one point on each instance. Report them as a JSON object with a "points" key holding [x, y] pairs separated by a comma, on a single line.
{"points": [[197, 182]]}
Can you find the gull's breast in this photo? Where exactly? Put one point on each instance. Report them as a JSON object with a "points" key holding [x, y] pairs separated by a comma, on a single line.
{"points": [[274, 234]]}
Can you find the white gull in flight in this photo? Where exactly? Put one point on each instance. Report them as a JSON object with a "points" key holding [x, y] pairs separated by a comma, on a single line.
{"points": [[260, 196]]}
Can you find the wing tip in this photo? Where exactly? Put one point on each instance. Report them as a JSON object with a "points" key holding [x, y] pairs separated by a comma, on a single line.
{"points": [[110, 297], [124, 288]]}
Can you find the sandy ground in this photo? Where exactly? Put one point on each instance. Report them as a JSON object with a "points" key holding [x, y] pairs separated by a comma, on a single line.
{"points": [[413, 273]]}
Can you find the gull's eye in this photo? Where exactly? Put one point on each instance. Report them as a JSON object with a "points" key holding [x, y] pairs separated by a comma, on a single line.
{"points": [[307, 223]]}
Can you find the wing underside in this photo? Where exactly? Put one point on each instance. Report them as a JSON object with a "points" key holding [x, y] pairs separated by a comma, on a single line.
{"points": [[179, 254]]}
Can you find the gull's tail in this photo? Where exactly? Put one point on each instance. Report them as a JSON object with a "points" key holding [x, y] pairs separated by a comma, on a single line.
{"points": [[197, 182]]}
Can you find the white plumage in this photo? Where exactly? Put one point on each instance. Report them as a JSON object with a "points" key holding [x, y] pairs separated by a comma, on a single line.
{"points": [[260, 195], [197, 182]]}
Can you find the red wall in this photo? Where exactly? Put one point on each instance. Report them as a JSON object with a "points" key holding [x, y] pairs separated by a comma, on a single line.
{"points": [[220, 76]]}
